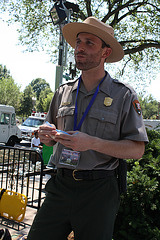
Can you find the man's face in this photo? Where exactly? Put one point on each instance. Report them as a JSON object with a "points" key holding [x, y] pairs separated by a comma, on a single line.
{"points": [[88, 51], [36, 135]]}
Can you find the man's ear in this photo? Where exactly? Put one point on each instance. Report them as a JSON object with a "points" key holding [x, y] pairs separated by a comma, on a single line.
{"points": [[107, 51]]}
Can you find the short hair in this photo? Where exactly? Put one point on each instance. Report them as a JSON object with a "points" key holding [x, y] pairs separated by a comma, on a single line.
{"points": [[36, 133]]}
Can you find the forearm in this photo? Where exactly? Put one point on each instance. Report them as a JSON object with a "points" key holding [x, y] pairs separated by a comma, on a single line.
{"points": [[118, 149]]}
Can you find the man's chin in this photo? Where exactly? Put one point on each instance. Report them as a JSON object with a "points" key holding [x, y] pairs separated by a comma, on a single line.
{"points": [[80, 66], [83, 67]]}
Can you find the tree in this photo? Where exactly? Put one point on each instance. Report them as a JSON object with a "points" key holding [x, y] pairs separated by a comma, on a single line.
{"points": [[4, 73], [44, 97], [39, 85], [26, 101], [9, 90], [47, 101], [136, 23], [149, 107]]}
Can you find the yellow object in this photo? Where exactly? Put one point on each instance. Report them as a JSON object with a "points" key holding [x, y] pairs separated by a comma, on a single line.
{"points": [[108, 101], [13, 205]]}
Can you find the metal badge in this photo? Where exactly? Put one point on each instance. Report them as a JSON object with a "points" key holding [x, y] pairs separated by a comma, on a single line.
{"points": [[66, 103], [108, 101]]}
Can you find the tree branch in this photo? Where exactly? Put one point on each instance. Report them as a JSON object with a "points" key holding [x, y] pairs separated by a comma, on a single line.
{"points": [[99, 6], [88, 7], [81, 15], [119, 7], [122, 72], [141, 48]]}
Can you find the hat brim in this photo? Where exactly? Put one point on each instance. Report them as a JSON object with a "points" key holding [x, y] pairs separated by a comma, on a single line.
{"points": [[71, 30]]}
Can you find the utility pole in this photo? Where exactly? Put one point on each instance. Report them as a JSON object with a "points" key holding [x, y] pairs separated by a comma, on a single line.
{"points": [[61, 63], [61, 15]]}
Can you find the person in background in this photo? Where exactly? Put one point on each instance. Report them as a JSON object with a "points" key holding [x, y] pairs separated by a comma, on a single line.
{"points": [[103, 123], [35, 142]]}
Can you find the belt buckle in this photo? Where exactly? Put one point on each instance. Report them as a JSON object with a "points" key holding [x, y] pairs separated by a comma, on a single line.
{"points": [[73, 174]]}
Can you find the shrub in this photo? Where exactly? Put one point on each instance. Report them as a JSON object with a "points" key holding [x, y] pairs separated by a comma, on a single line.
{"points": [[139, 213]]}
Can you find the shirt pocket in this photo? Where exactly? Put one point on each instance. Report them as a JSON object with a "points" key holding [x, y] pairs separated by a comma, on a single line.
{"points": [[103, 124], [65, 118]]}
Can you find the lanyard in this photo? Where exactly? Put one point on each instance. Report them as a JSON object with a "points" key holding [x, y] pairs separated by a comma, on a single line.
{"points": [[77, 127]]}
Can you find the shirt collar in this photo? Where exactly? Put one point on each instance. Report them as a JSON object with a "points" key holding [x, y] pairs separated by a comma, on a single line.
{"points": [[104, 87], [75, 85]]}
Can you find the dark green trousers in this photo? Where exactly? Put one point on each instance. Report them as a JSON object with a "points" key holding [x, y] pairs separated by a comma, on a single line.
{"points": [[88, 208]]}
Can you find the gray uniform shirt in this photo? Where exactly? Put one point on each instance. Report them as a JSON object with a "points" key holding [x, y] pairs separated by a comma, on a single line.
{"points": [[114, 115]]}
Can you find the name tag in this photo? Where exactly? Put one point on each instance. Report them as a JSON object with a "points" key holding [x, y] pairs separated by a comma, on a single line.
{"points": [[69, 158]]}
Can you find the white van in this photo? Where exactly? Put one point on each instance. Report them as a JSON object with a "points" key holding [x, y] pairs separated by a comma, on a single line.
{"points": [[9, 131], [31, 124]]}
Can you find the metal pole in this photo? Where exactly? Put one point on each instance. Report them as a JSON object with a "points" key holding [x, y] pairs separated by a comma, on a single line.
{"points": [[62, 51], [59, 68], [61, 47], [59, 76]]}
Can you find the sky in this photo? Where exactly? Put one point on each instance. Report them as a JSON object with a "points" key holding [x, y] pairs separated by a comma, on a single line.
{"points": [[25, 66], [154, 89]]}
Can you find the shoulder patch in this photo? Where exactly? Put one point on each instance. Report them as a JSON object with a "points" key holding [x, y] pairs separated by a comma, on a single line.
{"points": [[137, 106]]}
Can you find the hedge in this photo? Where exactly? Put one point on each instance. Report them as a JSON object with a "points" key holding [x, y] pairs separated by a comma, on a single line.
{"points": [[139, 214]]}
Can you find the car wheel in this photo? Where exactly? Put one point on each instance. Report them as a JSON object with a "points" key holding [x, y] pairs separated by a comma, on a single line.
{"points": [[11, 142]]}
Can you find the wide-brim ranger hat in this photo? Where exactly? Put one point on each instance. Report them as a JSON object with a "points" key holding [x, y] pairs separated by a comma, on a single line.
{"points": [[94, 26]]}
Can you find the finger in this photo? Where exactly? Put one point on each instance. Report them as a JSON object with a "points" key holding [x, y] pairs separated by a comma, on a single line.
{"points": [[63, 138], [46, 138], [46, 128], [73, 132], [44, 131]]}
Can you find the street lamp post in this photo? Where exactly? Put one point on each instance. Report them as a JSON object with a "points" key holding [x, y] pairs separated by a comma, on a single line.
{"points": [[60, 14]]}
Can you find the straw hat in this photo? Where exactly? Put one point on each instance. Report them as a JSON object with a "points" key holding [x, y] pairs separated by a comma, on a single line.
{"points": [[94, 26]]}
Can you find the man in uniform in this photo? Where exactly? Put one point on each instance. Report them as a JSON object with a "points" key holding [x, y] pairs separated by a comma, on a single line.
{"points": [[103, 121]]}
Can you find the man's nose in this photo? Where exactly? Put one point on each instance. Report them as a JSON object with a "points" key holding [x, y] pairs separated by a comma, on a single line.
{"points": [[80, 47]]}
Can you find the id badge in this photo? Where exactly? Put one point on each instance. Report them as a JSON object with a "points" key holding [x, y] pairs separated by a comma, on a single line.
{"points": [[69, 158]]}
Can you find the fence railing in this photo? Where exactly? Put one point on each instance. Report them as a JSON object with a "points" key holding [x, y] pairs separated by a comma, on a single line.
{"points": [[21, 170]]}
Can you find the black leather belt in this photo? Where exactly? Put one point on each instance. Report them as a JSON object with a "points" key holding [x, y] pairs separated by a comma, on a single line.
{"points": [[85, 174]]}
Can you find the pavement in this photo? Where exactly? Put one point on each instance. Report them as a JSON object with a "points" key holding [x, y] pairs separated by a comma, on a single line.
{"points": [[18, 230]]}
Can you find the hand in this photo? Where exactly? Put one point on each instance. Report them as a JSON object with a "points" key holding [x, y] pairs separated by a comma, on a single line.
{"points": [[47, 134], [77, 141]]}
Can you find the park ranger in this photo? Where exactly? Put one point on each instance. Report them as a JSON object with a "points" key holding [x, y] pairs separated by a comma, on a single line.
{"points": [[103, 123]]}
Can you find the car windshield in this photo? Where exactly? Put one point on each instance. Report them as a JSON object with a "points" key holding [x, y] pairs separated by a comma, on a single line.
{"points": [[32, 122]]}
